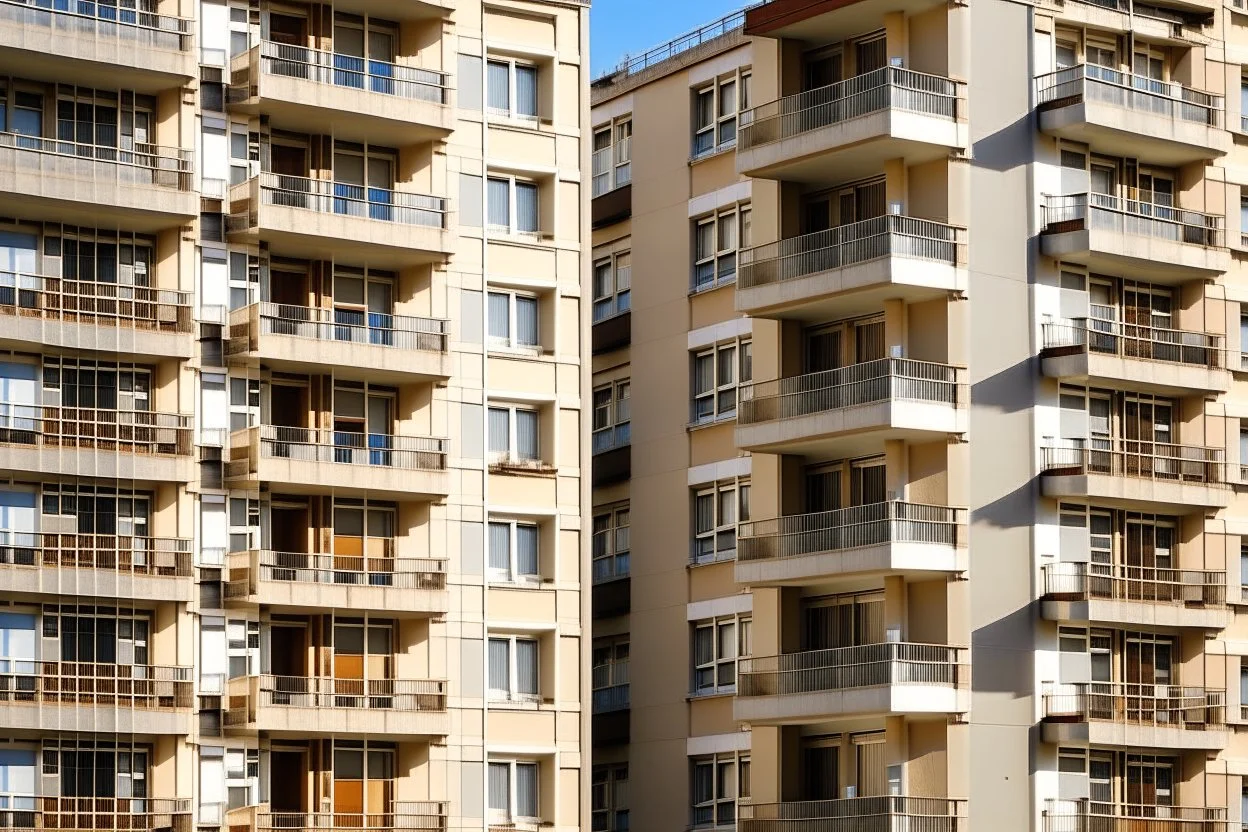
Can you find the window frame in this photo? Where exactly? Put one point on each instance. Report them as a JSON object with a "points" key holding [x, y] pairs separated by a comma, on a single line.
{"points": [[740, 764], [511, 454], [605, 780], [616, 171], [740, 80], [513, 184], [510, 815], [513, 574], [618, 289], [742, 222], [510, 343], [740, 487], [743, 366], [511, 111], [511, 694], [618, 413], [612, 551], [742, 636]]}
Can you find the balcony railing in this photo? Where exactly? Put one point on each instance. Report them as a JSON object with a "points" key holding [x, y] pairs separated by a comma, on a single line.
{"points": [[350, 71], [132, 431], [427, 816], [120, 685], [849, 528], [1140, 584], [136, 28], [880, 380], [618, 303], [142, 164], [841, 668], [610, 438], [657, 55], [886, 88], [347, 326], [20, 811], [846, 245], [245, 568], [611, 166], [1167, 706], [1142, 460], [413, 453], [124, 554], [1135, 341], [344, 199], [1095, 816], [610, 686], [245, 693], [611, 566], [1099, 84], [1123, 215], [87, 301], [611, 699], [854, 814]]}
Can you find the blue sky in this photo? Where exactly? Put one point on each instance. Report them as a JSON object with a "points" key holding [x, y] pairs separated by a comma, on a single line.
{"points": [[633, 26]]}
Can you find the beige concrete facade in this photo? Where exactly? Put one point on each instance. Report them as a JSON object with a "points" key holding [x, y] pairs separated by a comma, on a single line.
{"points": [[294, 472]]}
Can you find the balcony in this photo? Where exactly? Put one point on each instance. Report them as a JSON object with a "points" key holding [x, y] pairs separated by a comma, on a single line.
{"points": [[1125, 473], [1103, 352], [97, 566], [302, 581], [316, 706], [86, 442], [612, 186], [612, 578], [1135, 595], [103, 698], [325, 220], [610, 704], [881, 538], [855, 814], [612, 452], [1077, 816], [1136, 715], [1111, 234], [867, 680], [148, 188], [307, 460], [106, 317], [78, 40], [1132, 116], [22, 811], [405, 816], [308, 91], [613, 325], [852, 269], [303, 339], [852, 411], [841, 131]]}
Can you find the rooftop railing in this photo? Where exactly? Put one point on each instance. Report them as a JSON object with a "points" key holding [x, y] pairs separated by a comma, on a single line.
{"points": [[142, 164], [130, 431], [1157, 705], [1138, 459], [849, 528], [1140, 584], [1123, 215], [347, 326], [1142, 342], [682, 43], [841, 668], [124, 554], [89, 301], [1089, 82]]}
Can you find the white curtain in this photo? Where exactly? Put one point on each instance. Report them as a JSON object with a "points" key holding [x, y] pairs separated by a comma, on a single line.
{"points": [[500, 788], [500, 317], [526, 434], [526, 667], [526, 549], [500, 430], [498, 86], [526, 207], [526, 321], [526, 90], [500, 666], [500, 547], [526, 790], [498, 203]]}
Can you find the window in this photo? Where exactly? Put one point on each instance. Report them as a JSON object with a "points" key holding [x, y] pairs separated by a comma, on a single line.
{"points": [[610, 544], [511, 88], [717, 239], [513, 319], [513, 668], [612, 428], [514, 550], [612, 156], [717, 372], [612, 282], [718, 781], [715, 109], [717, 644], [514, 433], [610, 674], [513, 790], [609, 798], [717, 510], [512, 205]]}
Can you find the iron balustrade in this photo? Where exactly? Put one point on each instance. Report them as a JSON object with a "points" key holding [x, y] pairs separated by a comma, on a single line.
{"points": [[87, 683], [843, 668], [1086, 815], [886, 88], [889, 235], [345, 199], [142, 164], [384, 571], [413, 453], [137, 28], [1137, 459], [1089, 82], [430, 816], [350, 71], [131, 431], [22, 811], [615, 305], [610, 699], [849, 528], [1123, 215], [716, 29], [884, 379], [124, 554], [1142, 584], [89, 301], [876, 813], [350, 326], [610, 438], [1136, 341], [409, 695], [1157, 705]]}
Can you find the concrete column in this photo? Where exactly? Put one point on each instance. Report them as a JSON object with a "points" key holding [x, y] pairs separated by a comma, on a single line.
{"points": [[895, 606], [896, 465], [896, 324]]}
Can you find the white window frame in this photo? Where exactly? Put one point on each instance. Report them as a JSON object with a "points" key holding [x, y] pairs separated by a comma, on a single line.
{"points": [[510, 814], [740, 489], [510, 112], [612, 163], [740, 79], [618, 296], [740, 763], [723, 656], [721, 254], [511, 694], [510, 343], [608, 798], [512, 214], [510, 453], [614, 550], [618, 428], [615, 669], [513, 573], [743, 372]]}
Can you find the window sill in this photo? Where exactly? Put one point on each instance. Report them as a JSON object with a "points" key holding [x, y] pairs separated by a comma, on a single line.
{"points": [[534, 468], [730, 147], [506, 351], [510, 119], [721, 284], [724, 419], [527, 585], [727, 557], [534, 704], [529, 238], [711, 694]]}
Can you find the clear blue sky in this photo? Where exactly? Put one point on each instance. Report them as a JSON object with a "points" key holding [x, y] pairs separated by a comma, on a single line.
{"points": [[633, 26]]}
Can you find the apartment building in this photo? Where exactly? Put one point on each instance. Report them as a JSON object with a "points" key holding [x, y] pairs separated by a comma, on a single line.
{"points": [[925, 325], [291, 443]]}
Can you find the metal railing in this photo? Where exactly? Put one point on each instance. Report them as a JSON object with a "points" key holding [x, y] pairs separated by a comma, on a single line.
{"points": [[142, 164], [246, 569], [1094, 816], [413, 453], [610, 699], [139, 29], [610, 438], [428, 816], [1123, 215], [131, 431], [1135, 458], [87, 683], [681, 43], [246, 693], [878, 813], [350, 71], [30, 812], [883, 379], [889, 235], [124, 554], [344, 199], [612, 566], [1142, 584], [848, 528], [1161, 705], [841, 668], [616, 304], [1137, 341], [886, 88], [347, 326], [1088, 82], [88, 301]]}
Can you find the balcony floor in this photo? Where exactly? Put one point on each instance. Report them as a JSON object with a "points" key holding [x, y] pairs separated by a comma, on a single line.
{"points": [[1174, 496], [1167, 378], [817, 706], [308, 596], [94, 583], [917, 560], [90, 462], [104, 719], [853, 431], [1134, 736], [349, 359], [1139, 613], [1123, 131], [291, 721], [1154, 259]]}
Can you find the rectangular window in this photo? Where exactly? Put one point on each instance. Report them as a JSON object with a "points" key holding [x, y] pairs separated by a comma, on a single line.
{"points": [[718, 782], [611, 544], [716, 240], [716, 511], [512, 320], [514, 433], [512, 88], [612, 286], [717, 373], [715, 110], [513, 668], [612, 156], [513, 790], [514, 551], [717, 644], [513, 206], [612, 426], [609, 798]]}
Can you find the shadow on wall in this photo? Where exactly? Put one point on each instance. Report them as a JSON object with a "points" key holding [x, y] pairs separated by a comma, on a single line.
{"points": [[1003, 660], [1012, 146], [1011, 390]]}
